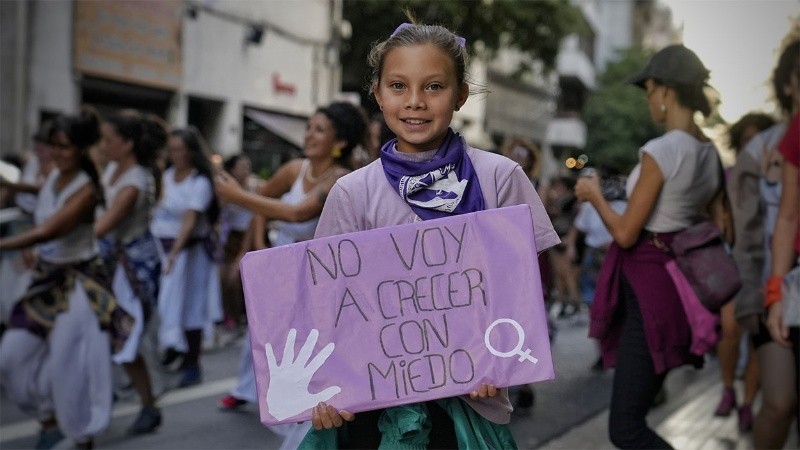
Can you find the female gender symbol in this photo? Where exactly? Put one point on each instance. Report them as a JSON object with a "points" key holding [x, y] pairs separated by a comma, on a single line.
{"points": [[516, 350]]}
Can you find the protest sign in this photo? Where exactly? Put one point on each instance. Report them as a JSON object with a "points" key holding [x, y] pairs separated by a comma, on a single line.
{"points": [[397, 315]]}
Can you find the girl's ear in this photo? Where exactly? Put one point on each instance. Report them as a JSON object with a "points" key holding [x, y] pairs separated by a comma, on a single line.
{"points": [[463, 94], [377, 94]]}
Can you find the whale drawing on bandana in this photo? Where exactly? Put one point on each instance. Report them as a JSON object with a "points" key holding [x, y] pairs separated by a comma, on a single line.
{"points": [[438, 189]]}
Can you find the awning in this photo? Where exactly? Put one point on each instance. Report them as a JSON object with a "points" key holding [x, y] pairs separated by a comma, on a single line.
{"points": [[292, 129]]}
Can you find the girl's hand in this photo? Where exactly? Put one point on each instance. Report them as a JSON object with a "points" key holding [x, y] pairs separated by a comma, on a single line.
{"points": [[484, 391], [588, 188], [325, 416], [777, 328], [226, 186]]}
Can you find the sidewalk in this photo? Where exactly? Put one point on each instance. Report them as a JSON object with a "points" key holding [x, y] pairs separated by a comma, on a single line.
{"points": [[686, 420]]}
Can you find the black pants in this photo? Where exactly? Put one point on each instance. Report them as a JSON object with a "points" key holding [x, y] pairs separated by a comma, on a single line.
{"points": [[635, 382]]}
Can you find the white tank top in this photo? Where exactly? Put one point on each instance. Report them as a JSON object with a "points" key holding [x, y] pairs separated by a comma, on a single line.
{"points": [[291, 232], [77, 245]]}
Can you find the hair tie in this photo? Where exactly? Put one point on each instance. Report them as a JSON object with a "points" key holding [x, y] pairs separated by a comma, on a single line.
{"points": [[459, 40], [400, 28]]}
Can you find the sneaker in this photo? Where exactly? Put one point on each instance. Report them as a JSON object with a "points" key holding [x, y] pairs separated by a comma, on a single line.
{"points": [[745, 418], [191, 376], [727, 403], [149, 419], [231, 403], [49, 438]]}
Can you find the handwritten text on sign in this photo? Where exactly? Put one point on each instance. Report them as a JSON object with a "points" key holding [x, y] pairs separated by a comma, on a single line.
{"points": [[397, 315]]}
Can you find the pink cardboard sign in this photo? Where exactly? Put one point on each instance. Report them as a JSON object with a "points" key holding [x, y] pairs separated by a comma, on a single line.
{"points": [[397, 315]]}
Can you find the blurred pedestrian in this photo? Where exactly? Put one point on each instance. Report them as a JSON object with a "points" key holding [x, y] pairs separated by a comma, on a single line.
{"points": [[561, 206], [525, 153], [418, 80], [755, 187], [131, 141], [16, 266], [740, 133], [236, 237], [637, 313], [596, 238], [783, 302], [55, 360], [184, 222]]}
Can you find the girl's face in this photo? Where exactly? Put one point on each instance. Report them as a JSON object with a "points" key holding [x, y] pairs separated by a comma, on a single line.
{"points": [[418, 92], [66, 155], [178, 153], [112, 144], [320, 137]]}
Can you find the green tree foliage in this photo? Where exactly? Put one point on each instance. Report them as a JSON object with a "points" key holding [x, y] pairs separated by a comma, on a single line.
{"points": [[535, 27], [617, 119]]}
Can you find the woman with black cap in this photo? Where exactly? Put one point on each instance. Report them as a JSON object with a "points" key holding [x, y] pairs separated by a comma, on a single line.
{"points": [[637, 314]]}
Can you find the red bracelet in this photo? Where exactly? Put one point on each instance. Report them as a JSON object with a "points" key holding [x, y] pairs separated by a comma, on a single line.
{"points": [[772, 293]]}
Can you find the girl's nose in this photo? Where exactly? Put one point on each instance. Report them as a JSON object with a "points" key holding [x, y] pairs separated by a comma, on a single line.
{"points": [[415, 100]]}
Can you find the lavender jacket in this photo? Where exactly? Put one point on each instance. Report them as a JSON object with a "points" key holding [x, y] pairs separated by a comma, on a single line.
{"points": [[364, 200]]}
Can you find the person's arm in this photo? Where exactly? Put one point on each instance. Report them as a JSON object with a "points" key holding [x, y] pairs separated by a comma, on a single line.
{"points": [[187, 225], [625, 228], [273, 209], [783, 247], [116, 212], [75, 211], [20, 187]]}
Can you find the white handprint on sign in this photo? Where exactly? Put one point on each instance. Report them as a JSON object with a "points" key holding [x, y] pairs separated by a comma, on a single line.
{"points": [[287, 394]]}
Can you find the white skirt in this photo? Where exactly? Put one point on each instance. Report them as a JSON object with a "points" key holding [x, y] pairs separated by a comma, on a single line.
{"points": [[131, 304], [188, 298], [79, 353]]}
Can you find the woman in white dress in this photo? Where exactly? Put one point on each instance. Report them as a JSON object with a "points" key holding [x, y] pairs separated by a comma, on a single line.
{"points": [[65, 322], [183, 222], [131, 141]]}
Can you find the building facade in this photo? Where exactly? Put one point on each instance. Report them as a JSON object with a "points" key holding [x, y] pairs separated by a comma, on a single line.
{"points": [[247, 74]]}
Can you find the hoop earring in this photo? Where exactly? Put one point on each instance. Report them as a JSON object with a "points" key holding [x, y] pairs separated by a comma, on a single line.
{"points": [[336, 152], [663, 108]]}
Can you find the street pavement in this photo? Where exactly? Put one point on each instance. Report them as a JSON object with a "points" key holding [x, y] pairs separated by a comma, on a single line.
{"points": [[570, 411]]}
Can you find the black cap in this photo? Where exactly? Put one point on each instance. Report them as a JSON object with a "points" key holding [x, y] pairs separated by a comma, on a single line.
{"points": [[675, 64]]}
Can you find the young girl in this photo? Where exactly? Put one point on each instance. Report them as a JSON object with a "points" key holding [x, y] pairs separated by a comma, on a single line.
{"points": [[427, 172], [130, 141], [295, 196], [55, 360], [637, 314], [184, 221]]}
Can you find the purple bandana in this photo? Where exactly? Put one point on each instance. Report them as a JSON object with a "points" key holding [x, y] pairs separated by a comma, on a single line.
{"points": [[444, 186]]}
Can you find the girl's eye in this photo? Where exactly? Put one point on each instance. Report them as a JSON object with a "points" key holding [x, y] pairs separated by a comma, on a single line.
{"points": [[434, 86], [396, 85]]}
